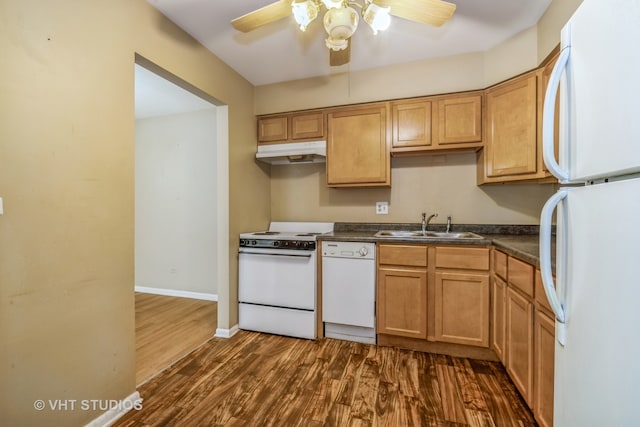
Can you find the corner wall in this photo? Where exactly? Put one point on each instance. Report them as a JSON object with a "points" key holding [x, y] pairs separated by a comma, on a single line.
{"points": [[67, 180]]}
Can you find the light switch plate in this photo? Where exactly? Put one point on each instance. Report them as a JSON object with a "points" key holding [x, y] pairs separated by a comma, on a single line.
{"points": [[382, 208], [1, 208]]}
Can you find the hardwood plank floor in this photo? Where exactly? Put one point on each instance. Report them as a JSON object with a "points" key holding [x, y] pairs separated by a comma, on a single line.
{"points": [[255, 379], [168, 328]]}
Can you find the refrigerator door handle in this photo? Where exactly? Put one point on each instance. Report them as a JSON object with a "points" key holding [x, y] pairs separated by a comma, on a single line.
{"points": [[545, 262], [548, 117]]}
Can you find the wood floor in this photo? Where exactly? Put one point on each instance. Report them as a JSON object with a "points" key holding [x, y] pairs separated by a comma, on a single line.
{"points": [[168, 328], [258, 379]]}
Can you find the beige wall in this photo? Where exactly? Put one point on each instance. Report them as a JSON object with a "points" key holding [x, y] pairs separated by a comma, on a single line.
{"points": [[444, 184], [66, 177], [551, 24]]}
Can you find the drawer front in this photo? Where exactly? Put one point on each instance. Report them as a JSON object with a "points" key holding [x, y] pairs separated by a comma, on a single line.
{"points": [[462, 258], [409, 255], [541, 296], [500, 264], [521, 275]]}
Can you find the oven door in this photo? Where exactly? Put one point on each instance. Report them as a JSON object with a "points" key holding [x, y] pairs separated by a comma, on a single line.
{"points": [[277, 277]]}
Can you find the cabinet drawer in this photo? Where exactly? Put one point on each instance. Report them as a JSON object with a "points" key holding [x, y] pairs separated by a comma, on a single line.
{"points": [[541, 296], [409, 255], [462, 258], [500, 264], [521, 275]]}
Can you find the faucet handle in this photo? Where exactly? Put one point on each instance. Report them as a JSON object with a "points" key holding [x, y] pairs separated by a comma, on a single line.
{"points": [[424, 216]]}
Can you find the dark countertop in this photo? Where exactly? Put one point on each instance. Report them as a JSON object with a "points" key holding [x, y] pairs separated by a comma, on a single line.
{"points": [[520, 241]]}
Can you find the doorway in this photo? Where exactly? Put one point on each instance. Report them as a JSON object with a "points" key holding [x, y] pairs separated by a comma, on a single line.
{"points": [[181, 216]]}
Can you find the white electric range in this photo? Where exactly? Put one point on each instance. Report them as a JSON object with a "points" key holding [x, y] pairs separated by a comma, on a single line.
{"points": [[277, 271]]}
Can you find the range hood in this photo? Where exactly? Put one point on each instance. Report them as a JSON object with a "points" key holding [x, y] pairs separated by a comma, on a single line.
{"points": [[293, 153]]}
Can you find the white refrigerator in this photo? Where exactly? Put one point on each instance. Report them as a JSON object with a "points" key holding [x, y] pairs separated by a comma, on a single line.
{"points": [[596, 295]]}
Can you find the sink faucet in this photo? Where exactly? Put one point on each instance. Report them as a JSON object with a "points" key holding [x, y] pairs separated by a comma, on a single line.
{"points": [[425, 221], [448, 223]]}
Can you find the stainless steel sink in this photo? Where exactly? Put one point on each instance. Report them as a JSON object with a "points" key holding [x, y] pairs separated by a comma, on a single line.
{"points": [[463, 235]]}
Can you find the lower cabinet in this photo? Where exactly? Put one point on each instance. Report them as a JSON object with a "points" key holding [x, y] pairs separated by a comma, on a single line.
{"points": [[462, 308], [519, 342], [544, 345], [402, 302], [523, 333], [433, 293], [498, 316]]}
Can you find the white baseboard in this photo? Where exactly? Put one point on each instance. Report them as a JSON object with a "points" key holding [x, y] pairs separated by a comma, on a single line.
{"points": [[226, 333], [118, 410], [176, 293]]}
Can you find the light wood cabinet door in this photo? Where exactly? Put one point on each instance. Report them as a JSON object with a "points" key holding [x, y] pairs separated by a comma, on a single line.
{"points": [[402, 302], [519, 343], [307, 126], [462, 308], [458, 120], [511, 128], [544, 364], [411, 122], [498, 316], [272, 129], [357, 150], [546, 75]]}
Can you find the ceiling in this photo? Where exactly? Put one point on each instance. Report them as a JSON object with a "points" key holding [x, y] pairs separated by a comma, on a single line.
{"points": [[280, 51]]}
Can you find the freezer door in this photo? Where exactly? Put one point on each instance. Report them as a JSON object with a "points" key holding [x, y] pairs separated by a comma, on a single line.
{"points": [[599, 93], [597, 374]]}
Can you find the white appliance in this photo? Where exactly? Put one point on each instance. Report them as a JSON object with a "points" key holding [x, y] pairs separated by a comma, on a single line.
{"points": [[597, 294], [277, 284], [293, 153], [349, 291]]}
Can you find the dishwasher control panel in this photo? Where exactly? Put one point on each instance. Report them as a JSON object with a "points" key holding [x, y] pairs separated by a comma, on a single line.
{"points": [[365, 250]]}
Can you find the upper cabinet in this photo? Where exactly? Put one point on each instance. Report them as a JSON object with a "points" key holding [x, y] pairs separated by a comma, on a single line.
{"points": [[357, 149], [273, 129], [458, 121], [513, 129], [437, 123], [292, 127]]}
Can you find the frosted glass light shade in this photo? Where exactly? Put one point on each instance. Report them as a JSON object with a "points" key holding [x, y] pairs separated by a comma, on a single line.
{"points": [[340, 24], [304, 12], [329, 4], [377, 17]]}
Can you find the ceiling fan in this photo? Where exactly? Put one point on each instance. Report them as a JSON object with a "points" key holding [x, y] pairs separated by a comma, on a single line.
{"points": [[341, 19]]}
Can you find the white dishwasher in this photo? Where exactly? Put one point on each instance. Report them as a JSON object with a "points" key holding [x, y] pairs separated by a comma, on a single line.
{"points": [[349, 291]]}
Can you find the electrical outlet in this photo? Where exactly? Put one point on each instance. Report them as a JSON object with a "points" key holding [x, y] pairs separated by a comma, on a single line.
{"points": [[382, 208]]}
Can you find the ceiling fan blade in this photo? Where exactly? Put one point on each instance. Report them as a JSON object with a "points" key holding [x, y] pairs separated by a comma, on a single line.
{"points": [[340, 57], [431, 12], [263, 16]]}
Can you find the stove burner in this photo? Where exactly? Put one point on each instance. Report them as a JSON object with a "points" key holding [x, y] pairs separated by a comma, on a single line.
{"points": [[266, 233]]}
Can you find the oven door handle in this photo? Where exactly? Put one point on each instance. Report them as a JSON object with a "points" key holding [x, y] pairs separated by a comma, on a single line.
{"points": [[250, 252]]}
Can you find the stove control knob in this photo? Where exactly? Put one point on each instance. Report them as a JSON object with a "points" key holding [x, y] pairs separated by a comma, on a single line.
{"points": [[276, 243], [363, 251], [306, 245], [254, 243]]}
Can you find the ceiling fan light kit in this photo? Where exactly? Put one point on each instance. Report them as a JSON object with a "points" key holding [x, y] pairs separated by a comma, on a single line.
{"points": [[341, 20], [304, 12], [340, 24]]}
